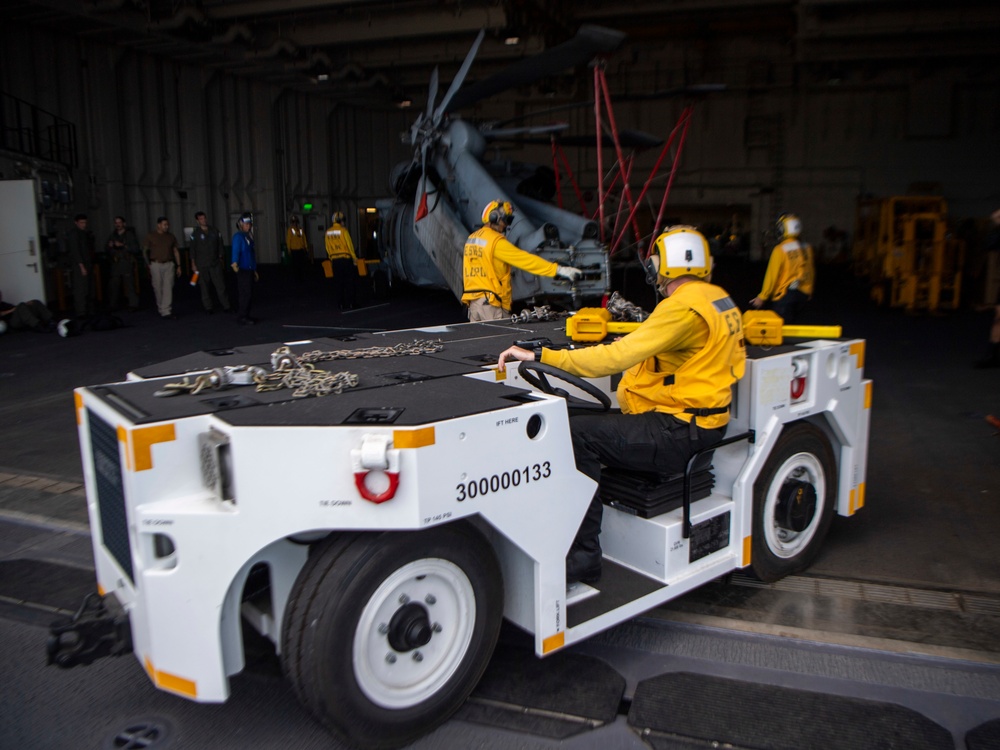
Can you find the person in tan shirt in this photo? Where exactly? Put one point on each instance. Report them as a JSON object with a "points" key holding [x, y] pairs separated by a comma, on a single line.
{"points": [[164, 261]]}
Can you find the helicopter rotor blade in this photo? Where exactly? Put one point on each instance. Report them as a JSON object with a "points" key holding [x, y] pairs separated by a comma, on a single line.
{"points": [[631, 139], [694, 90], [556, 127], [432, 91], [424, 117], [589, 41], [456, 84]]}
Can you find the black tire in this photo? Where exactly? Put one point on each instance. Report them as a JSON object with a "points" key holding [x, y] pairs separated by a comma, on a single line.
{"points": [[793, 502], [376, 640]]}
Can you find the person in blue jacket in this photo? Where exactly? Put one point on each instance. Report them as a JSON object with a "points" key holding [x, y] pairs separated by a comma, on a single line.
{"points": [[244, 257]]}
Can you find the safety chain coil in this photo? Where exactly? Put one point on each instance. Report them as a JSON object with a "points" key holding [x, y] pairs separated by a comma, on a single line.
{"points": [[296, 372], [306, 380], [418, 346], [540, 314]]}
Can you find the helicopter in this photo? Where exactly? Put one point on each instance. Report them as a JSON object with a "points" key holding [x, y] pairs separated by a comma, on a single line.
{"points": [[439, 195]]}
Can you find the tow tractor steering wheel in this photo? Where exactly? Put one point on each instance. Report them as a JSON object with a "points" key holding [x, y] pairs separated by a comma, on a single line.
{"points": [[534, 373]]}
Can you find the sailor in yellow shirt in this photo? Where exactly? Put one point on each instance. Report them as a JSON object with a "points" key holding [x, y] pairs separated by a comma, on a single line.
{"points": [[486, 265], [340, 251], [788, 281], [679, 366], [298, 247]]}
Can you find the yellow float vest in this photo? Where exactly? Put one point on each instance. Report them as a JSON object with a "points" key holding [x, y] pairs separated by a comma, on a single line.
{"points": [[701, 387], [796, 270], [295, 239], [480, 277], [338, 243]]}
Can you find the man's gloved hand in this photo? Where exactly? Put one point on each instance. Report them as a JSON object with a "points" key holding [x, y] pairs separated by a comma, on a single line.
{"points": [[568, 272]]}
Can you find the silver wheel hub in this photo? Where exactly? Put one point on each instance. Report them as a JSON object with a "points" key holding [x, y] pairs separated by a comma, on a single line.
{"points": [[414, 633], [801, 470]]}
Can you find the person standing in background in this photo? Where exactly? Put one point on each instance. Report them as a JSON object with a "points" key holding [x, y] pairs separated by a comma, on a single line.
{"points": [[298, 248], [791, 272], [487, 260], [163, 258], [340, 251], [123, 248], [244, 264], [207, 262], [79, 255]]}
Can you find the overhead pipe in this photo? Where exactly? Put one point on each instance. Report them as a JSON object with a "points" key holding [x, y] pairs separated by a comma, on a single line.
{"points": [[180, 18], [234, 32], [279, 46]]}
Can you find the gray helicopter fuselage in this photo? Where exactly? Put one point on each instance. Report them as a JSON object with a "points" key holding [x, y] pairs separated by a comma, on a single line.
{"points": [[428, 251]]}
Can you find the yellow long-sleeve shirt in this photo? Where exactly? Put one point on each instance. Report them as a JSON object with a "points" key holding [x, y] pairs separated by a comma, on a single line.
{"points": [[790, 267], [686, 355], [295, 239], [486, 267], [338, 243]]}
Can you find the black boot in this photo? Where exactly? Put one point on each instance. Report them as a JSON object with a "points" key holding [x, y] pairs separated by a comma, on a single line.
{"points": [[583, 563]]}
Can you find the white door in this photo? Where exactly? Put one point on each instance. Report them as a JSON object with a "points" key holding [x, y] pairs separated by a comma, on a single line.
{"points": [[21, 267]]}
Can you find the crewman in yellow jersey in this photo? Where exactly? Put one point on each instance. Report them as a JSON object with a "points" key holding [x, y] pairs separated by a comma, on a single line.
{"points": [[788, 282], [343, 259], [486, 265], [678, 369], [298, 247]]}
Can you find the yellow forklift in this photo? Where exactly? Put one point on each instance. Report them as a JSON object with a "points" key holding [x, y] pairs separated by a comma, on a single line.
{"points": [[901, 245]]}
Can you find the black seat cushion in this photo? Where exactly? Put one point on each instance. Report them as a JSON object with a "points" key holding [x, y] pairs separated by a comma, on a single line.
{"points": [[647, 494]]}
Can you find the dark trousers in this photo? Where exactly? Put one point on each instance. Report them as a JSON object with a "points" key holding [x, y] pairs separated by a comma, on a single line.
{"points": [[244, 289], [83, 303], [300, 263], [790, 306], [211, 275], [651, 442], [344, 274], [122, 277]]}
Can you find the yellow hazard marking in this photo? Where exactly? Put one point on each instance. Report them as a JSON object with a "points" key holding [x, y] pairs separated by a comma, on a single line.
{"points": [[413, 438], [78, 402], [100, 590], [553, 642], [858, 350], [123, 439], [850, 504], [500, 375], [868, 395], [747, 549], [143, 439], [861, 495], [170, 682]]}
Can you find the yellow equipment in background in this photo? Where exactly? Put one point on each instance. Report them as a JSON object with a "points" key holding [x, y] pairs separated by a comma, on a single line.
{"points": [[901, 246]]}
